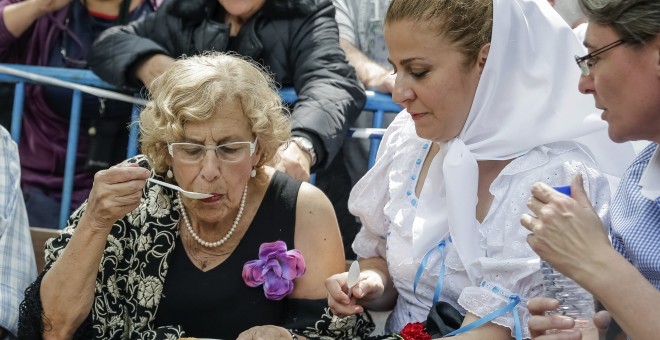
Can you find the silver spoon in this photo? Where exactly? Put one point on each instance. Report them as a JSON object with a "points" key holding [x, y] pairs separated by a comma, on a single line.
{"points": [[189, 194]]}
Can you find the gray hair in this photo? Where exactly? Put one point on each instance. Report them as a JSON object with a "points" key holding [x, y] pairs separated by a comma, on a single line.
{"points": [[635, 21]]}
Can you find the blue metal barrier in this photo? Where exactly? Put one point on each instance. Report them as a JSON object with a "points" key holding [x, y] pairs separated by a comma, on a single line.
{"points": [[86, 81]]}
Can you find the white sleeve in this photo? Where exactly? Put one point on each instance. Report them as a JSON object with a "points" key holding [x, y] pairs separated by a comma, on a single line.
{"points": [[345, 18], [511, 266]]}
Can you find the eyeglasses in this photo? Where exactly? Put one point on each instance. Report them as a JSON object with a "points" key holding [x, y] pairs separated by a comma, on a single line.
{"points": [[194, 153], [586, 62], [68, 61]]}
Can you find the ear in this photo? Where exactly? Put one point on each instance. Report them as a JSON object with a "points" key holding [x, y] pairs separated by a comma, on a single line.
{"points": [[257, 155], [482, 57]]}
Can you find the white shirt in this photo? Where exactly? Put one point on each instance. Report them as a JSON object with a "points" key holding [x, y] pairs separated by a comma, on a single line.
{"points": [[385, 201]]}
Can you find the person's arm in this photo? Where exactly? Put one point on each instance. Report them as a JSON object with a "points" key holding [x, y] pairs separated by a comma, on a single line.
{"points": [[319, 240], [17, 265], [18, 17], [330, 96], [119, 52], [588, 258], [373, 75], [67, 289]]}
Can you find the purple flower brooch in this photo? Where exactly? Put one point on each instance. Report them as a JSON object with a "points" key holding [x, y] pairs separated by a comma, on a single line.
{"points": [[276, 269]]}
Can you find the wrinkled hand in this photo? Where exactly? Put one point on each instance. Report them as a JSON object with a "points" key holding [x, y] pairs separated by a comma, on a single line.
{"points": [[539, 323], [566, 231], [294, 162], [369, 287], [153, 67], [265, 333], [48, 6], [116, 192]]}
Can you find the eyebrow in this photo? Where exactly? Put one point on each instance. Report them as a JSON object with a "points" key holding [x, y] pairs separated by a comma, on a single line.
{"points": [[407, 61]]}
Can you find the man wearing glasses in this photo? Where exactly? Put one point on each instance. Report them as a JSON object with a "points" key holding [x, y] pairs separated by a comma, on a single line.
{"points": [[622, 72]]}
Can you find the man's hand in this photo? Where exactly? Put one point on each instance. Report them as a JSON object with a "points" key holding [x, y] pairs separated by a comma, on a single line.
{"points": [[294, 162]]}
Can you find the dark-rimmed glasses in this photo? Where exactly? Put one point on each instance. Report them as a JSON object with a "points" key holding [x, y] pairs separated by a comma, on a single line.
{"points": [[229, 152], [585, 63]]}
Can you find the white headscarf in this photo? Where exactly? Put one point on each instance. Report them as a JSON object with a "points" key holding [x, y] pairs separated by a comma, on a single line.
{"points": [[527, 96]]}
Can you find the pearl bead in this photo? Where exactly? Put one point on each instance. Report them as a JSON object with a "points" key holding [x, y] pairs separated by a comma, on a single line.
{"points": [[229, 233]]}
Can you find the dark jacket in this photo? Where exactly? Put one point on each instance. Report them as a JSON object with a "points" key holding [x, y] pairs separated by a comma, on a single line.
{"points": [[296, 39]]}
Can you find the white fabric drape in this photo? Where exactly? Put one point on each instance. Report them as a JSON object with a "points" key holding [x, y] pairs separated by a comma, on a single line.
{"points": [[527, 96]]}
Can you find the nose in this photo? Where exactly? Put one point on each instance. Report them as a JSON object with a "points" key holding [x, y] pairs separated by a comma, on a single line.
{"points": [[210, 166], [586, 84], [402, 92]]}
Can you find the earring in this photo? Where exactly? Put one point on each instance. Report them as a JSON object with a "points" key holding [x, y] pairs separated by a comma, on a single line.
{"points": [[169, 173], [253, 173]]}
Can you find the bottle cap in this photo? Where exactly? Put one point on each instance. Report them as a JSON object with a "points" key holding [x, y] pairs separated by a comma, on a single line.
{"points": [[566, 189]]}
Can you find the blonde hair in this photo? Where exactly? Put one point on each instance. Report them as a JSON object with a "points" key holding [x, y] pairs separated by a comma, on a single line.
{"points": [[191, 91]]}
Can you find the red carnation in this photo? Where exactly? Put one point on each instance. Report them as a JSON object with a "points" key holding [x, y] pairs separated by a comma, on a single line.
{"points": [[415, 331]]}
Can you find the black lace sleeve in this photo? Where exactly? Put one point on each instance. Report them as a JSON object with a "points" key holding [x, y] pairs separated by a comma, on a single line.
{"points": [[32, 323]]}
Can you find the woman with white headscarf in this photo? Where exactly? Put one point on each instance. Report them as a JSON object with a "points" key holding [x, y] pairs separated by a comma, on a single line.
{"points": [[491, 107]]}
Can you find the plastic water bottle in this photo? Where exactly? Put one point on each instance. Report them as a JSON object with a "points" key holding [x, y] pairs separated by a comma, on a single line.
{"points": [[574, 301]]}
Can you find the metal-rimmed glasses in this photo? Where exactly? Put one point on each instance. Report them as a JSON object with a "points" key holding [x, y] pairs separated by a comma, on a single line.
{"points": [[585, 63], [230, 152]]}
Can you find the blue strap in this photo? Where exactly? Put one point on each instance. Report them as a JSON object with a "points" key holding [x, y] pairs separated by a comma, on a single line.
{"points": [[441, 276], [514, 300]]}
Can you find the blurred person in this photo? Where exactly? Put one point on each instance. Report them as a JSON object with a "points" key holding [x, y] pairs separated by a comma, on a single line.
{"points": [[487, 114], [143, 261], [361, 37], [621, 72], [295, 39], [17, 266], [59, 33]]}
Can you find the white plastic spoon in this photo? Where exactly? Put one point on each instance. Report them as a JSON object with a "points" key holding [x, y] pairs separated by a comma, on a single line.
{"points": [[353, 277], [189, 194]]}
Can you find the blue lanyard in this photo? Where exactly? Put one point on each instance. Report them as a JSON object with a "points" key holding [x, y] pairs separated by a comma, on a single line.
{"points": [[438, 286], [514, 300]]}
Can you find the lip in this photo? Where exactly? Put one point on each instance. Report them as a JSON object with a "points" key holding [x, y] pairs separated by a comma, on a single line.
{"points": [[417, 115], [213, 199]]}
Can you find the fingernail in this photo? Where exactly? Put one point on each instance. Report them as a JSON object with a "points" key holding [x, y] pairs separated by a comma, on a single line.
{"points": [[566, 322], [358, 291]]}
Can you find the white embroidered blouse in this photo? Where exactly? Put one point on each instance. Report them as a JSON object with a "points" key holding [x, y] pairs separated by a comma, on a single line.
{"points": [[385, 201]]}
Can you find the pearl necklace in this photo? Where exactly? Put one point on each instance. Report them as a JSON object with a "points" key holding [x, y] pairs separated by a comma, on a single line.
{"points": [[229, 233]]}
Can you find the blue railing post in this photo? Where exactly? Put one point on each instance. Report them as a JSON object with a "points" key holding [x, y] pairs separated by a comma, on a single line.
{"points": [[133, 132], [86, 81], [71, 152], [17, 111], [375, 141]]}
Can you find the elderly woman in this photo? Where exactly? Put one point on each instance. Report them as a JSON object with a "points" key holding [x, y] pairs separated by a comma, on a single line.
{"points": [[488, 113], [140, 260], [296, 40]]}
